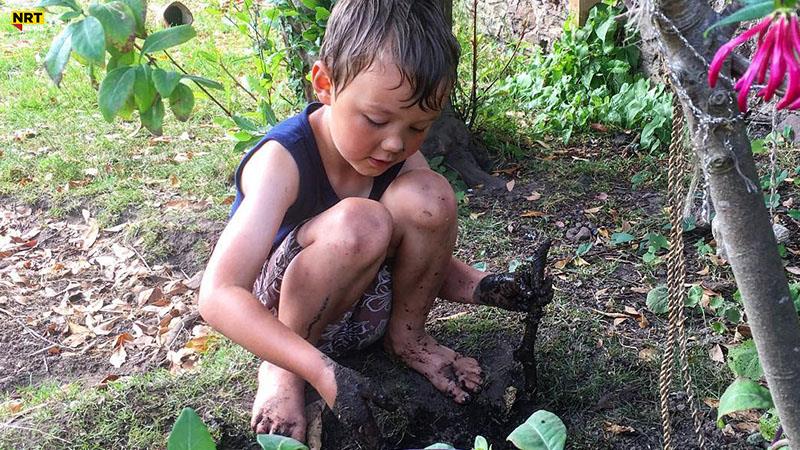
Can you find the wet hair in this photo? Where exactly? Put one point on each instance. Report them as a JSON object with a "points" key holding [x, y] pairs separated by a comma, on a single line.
{"points": [[412, 34]]}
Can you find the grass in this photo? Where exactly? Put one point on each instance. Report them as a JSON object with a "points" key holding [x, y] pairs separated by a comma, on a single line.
{"points": [[137, 412]]}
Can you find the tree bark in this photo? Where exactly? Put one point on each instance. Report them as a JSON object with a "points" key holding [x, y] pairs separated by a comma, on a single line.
{"points": [[722, 146]]}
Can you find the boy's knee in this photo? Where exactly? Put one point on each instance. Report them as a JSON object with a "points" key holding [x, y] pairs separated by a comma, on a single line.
{"points": [[427, 199], [362, 228]]}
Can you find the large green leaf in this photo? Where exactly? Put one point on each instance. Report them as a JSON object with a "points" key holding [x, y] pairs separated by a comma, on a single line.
{"points": [[181, 102], [58, 55], [190, 433], [440, 446], [750, 12], [278, 442], [542, 431], [115, 89], [167, 38], [118, 23], [139, 10], [89, 41], [120, 59], [658, 299], [165, 81], [153, 118], [743, 361], [143, 89], [744, 394], [67, 3]]}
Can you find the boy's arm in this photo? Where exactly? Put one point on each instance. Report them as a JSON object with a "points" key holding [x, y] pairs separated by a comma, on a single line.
{"points": [[270, 182]]}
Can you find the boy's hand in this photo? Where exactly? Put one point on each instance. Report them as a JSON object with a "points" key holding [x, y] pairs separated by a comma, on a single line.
{"points": [[354, 394], [522, 290]]}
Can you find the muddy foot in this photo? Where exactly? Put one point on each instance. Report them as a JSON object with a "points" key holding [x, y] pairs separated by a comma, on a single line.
{"points": [[279, 407], [457, 376]]}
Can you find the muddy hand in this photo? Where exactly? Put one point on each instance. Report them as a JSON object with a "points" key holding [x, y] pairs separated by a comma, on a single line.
{"points": [[519, 291], [354, 393]]}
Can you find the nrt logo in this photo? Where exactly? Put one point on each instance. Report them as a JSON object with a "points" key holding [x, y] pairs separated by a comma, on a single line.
{"points": [[30, 17]]}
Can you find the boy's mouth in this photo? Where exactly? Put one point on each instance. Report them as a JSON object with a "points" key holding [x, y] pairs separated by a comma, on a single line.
{"points": [[379, 163]]}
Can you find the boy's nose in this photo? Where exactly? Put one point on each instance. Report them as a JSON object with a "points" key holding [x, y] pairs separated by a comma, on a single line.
{"points": [[392, 144]]}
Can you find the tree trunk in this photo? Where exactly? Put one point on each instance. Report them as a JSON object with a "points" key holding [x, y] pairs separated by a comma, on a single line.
{"points": [[723, 148]]}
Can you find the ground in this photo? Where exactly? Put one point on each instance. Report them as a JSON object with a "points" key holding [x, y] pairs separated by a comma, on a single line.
{"points": [[105, 230], [75, 295]]}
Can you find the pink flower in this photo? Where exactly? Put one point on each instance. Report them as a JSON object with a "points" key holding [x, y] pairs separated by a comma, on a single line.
{"points": [[777, 52]]}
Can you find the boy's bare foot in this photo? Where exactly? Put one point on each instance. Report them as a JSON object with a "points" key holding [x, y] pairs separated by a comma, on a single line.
{"points": [[279, 407], [456, 375]]}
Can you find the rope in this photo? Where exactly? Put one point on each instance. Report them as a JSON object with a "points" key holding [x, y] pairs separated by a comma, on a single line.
{"points": [[676, 275]]}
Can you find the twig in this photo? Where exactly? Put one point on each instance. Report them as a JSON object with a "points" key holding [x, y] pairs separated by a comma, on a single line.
{"points": [[235, 80], [41, 350], [20, 427], [29, 330], [46, 367], [141, 258]]}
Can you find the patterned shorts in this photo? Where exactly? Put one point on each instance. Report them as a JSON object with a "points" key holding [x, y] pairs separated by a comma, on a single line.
{"points": [[359, 327]]}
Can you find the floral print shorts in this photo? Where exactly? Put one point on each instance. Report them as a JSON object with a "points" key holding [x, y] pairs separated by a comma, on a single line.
{"points": [[359, 327]]}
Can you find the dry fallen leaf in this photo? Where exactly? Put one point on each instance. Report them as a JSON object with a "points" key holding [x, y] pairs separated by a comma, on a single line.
{"points": [[118, 356], [534, 196], [648, 354], [532, 213], [560, 264], [716, 354], [594, 210], [614, 428], [149, 296], [510, 185], [90, 235]]}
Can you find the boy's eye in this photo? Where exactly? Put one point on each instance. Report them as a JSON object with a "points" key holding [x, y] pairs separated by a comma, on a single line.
{"points": [[418, 130], [375, 123]]}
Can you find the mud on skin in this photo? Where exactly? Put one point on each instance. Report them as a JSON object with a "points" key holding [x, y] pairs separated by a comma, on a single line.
{"points": [[521, 291]]}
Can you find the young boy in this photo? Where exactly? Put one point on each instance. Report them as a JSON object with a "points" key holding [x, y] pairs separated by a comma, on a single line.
{"points": [[340, 233]]}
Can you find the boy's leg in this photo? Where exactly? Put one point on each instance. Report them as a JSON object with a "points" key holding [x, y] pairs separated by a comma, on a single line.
{"points": [[343, 248], [423, 209]]}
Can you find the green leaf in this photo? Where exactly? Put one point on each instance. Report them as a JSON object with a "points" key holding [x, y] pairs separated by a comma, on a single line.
{"points": [[753, 11], [69, 15], [658, 299], [718, 327], [126, 112], [278, 442], [115, 89], [583, 249], [66, 3], [694, 296], [794, 214], [165, 82], [89, 41], [245, 123], [657, 241], [190, 433], [181, 102], [744, 394], [480, 266], [153, 118], [542, 431], [170, 37], [58, 55], [440, 445], [119, 59], [204, 81], [480, 444], [143, 89], [621, 238], [743, 361], [118, 24], [139, 11], [757, 146]]}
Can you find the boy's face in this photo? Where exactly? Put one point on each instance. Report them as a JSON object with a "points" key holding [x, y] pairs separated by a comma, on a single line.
{"points": [[370, 122]]}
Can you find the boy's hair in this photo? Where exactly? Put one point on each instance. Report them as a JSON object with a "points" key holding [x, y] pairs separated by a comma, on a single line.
{"points": [[413, 33]]}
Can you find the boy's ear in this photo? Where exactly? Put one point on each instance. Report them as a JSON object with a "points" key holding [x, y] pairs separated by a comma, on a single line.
{"points": [[322, 82]]}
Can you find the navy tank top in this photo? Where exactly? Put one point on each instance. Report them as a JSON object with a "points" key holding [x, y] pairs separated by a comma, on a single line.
{"points": [[314, 194]]}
